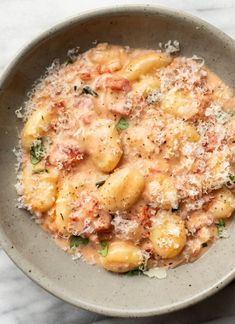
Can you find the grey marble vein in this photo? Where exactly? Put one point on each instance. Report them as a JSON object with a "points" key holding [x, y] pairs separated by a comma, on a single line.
{"points": [[22, 301]]}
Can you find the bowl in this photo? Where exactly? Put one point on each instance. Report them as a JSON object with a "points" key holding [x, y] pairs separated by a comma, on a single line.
{"points": [[32, 250]]}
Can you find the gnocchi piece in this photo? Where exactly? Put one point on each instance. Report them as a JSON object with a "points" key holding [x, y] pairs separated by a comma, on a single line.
{"points": [[122, 256], [110, 58], [215, 165], [133, 229], [223, 205], [162, 190], [177, 134], [168, 235], [146, 85], [67, 194], [36, 125], [179, 104], [145, 64], [122, 189], [39, 187], [191, 134], [138, 139], [103, 144]]}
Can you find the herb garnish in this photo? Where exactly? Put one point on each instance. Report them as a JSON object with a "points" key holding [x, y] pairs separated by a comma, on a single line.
{"points": [[231, 113], [134, 272], [75, 241], [36, 151], [89, 91], [204, 244], [70, 60], [103, 250], [40, 171], [231, 177], [220, 227], [122, 124], [99, 183]]}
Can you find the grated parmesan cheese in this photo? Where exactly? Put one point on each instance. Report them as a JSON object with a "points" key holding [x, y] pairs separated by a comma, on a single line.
{"points": [[170, 47], [159, 273], [124, 227]]}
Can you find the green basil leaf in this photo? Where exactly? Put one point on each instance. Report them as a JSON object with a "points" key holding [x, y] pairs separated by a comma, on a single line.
{"points": [[122, 124], [40, 171], [70, 60], [231, 177], [220, 227], [36, 151], [75, 241], [99, 183], [134, 272], [103, 250], [88, 90]]}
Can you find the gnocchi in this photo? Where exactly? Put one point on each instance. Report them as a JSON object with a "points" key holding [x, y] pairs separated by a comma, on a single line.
{"points": [[144, 64], [223, 205], [66, 195], [39, 187], [122, 256], [122, 189], [103, 144], [36, 125], [128, 157], [179, 104], [162, 190], [146, 85], [168, 235]]}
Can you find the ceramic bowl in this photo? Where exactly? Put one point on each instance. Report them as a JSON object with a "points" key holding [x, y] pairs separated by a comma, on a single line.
{"points": [[34, 251]]}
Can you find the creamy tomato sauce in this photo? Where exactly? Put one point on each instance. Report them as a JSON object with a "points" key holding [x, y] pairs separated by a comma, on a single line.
{"points": [[128, 157]]}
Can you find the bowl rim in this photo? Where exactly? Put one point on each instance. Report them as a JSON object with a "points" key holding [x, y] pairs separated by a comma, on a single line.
{"points": [[22, 263]]}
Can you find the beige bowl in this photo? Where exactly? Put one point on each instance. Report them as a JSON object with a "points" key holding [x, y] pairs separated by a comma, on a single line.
{"points": [[34, 251]]}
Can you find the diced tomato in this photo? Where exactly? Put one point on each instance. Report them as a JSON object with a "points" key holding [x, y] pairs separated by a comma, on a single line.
{"points": [[59, 105], [101, 69], [118, 83], [87, 217], [85, 76], [65, 157], [102, 222], [73, 155], [144, 218], [113, 82], [212, 142]]}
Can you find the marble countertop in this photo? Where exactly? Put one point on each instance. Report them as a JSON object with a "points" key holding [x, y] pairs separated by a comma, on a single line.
{"points": [[22, 301]]}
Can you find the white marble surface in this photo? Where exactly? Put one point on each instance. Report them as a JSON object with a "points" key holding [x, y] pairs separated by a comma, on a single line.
{"points": [[22, 301]]}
